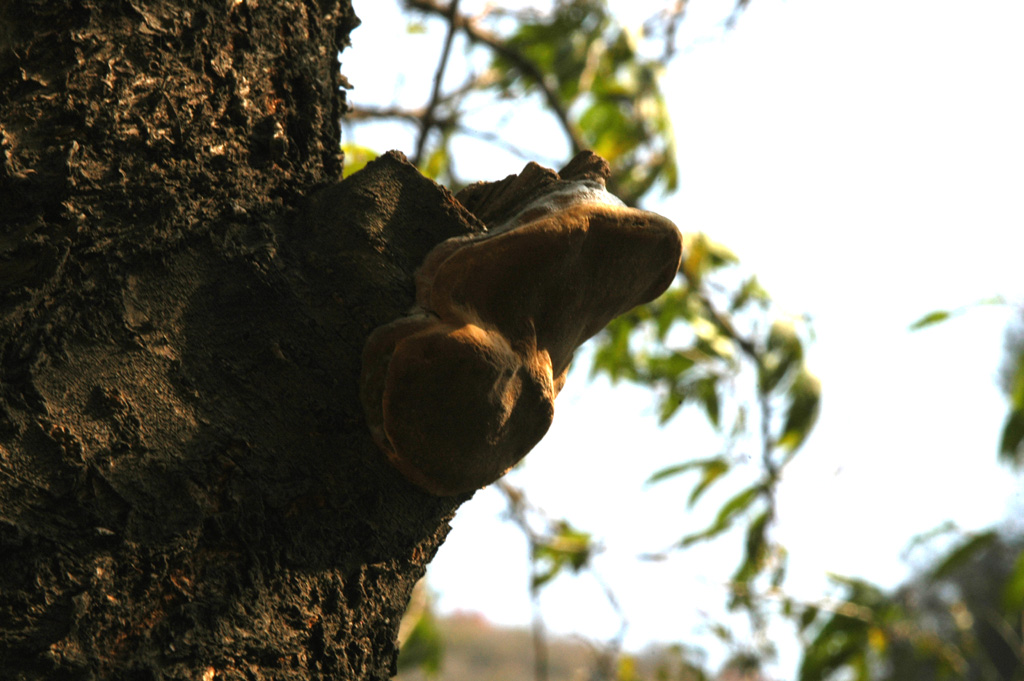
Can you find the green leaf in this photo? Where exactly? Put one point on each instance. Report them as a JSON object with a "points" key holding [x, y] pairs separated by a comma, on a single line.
{"points": [[707, 393], [1011, 442], [781, 566], [719, 255], [607, 129], [841, 643], [804, 405], [627, 669], [757, 541], [939, 316], [809, 614], [931, 319], [566, 548], [670, 366], [612, 354], [415, 28], [677, 469], [750, 290], [922, 539], [1013, 590], [756, 549], [701, 255], [740, 502], [860, 591], [436, 162], [715, 345], [714, 470], [783, 352], [694, 255], [962, 554], [745, 663], [539, 579], [424, 648], [721, 632], [726, 515], [673, 305], [1017, 384], [670, 404], [356, 157]]}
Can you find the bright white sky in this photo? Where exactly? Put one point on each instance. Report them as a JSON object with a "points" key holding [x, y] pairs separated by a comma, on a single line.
{"points": [[866, 160]]}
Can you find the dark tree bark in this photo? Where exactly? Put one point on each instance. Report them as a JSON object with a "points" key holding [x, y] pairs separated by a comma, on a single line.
{"points": [[188, 489]]}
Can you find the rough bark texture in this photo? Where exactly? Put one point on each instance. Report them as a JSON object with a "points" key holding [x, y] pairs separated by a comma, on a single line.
{"points": [[187, 486]]}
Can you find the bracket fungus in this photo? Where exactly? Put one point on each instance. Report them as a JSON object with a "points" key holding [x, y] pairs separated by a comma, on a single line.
{"points": [[461, 388]]}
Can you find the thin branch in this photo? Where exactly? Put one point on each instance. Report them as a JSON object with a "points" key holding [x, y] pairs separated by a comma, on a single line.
{"points": [[428, 115], [496, 140], [672, 18], [364, 114], [734, 17], [361, 112], [521, 62], [749, 349], [540, 640], [724, 324], [518, 507]]}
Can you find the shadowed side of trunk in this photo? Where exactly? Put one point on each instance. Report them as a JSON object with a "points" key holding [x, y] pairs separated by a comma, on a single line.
{"points": [[187, 485]]}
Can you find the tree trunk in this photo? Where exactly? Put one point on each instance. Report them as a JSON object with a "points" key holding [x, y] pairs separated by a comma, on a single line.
{"points": [[188, 489]]}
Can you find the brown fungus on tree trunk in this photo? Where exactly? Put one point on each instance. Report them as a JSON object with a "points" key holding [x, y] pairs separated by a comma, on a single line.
{"points": [[461, 388]]}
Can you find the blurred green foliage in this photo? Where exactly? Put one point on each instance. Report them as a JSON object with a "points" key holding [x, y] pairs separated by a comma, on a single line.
{"points": [[716, 342], [958, 620], [694, 346], [589, 70], [610, 94], [1011, 440], [565, 548], [425, 646], [356, 157]]}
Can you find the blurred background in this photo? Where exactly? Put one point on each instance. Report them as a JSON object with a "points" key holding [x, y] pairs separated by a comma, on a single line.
{"points": [[803, 461]]}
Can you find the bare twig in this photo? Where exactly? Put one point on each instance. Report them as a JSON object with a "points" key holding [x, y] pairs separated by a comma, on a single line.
{"points": [[518, 507], [368, 113], [520, 61], [427, 121], [474, 82], [749, 349], [496, 140], [540, 640], [365, 113], [672, 19], [734, 17]]}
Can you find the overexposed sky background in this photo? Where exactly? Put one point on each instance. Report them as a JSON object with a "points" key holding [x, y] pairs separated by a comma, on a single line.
{"points": [[864, 159]]}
